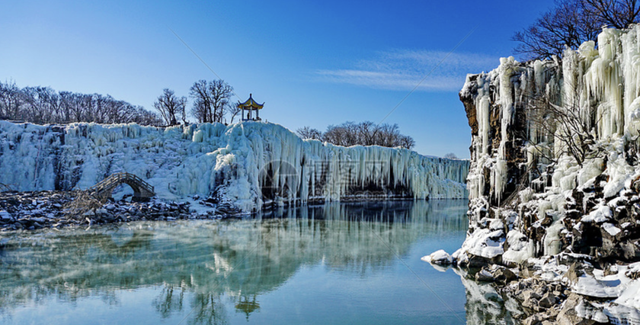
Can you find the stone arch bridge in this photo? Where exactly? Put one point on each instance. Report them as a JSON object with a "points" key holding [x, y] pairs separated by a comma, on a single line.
{"points": [[142, 191]]}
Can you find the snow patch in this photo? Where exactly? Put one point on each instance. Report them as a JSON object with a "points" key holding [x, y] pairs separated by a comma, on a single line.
{"points": [[600, 215], [439, 257], [611, 229]]}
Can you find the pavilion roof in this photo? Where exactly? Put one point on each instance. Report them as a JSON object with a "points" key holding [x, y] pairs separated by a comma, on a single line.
{"points": [[250, 104]]}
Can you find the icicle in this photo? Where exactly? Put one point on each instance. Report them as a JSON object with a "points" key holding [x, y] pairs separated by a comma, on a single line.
{"points": [[234, 160]]}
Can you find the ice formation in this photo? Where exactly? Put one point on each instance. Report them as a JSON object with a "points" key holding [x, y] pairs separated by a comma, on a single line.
{"points": [[559, 189], [602, 85], [244, 164]]}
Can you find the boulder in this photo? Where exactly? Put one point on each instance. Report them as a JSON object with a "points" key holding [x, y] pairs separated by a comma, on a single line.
{"points": [[485, 275], [575, 310], [503, 275], [548, 300], [439, 257]]}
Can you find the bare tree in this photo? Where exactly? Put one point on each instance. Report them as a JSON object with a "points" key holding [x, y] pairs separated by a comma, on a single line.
{"points": [[451, 155], [201, 103], [234, 110], [211, 100], [144, 117], [337, 135], [571, 23], [171, 106], [309, 133], [221, 92], [10, 101], [44, 105], [406, 142], [567, 25], [565, 124], [365, 133], [613, 13]]}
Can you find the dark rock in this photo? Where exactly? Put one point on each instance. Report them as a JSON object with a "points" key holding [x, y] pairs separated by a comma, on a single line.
{"points": [[547, 221], [475, 261], [504, 275], [548, 301]]}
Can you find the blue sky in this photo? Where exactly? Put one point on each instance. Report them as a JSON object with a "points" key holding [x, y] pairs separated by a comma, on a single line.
{"points": [[314, 63]]}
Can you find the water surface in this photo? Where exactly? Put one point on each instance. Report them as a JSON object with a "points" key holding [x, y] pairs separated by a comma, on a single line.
{"points": [[337, 263]]}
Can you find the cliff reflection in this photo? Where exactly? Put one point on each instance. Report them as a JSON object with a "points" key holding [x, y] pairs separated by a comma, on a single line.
{"points": [[202, 266]]}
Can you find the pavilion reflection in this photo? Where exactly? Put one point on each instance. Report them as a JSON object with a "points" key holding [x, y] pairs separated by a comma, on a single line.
{"points": [[198, 264]]}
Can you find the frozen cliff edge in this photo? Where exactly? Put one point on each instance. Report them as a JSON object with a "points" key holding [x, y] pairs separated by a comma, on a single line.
{"points": [[547, 192], [244, 164]]}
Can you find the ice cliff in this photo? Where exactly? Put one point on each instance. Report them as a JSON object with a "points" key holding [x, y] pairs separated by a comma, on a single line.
{"points": [[244, 164], [554, 157]]}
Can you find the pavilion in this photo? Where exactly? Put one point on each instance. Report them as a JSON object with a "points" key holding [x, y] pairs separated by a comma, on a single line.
{"points": [[250, 105]]}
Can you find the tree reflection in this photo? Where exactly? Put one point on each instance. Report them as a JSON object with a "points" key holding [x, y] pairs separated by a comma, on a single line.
{"points": [[169, 301], [198, 265], [207, 309]]}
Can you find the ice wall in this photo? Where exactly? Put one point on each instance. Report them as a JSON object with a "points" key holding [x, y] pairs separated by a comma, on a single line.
{"points": [[524, 181], [602, 85], [244, 164]]}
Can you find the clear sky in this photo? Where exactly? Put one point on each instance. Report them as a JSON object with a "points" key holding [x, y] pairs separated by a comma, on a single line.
{"points": [[314, 63]]}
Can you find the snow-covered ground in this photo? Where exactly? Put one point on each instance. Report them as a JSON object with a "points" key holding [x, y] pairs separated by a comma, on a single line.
{"points": [[242, 164]]}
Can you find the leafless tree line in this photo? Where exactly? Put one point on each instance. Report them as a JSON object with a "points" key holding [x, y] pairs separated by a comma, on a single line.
{"points": [[42, 105], [365, 133], [211, 103], [571, 23]]}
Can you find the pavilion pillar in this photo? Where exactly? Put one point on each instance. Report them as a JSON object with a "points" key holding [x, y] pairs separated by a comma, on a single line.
{"points": [[251, 106]]}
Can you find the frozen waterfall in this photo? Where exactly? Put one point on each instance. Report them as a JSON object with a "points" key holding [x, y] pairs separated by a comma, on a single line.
{"points": [[244, 164]]}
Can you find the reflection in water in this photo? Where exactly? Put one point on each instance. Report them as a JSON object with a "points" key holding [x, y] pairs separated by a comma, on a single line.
{"points": [[199, 267], [485, 305]]}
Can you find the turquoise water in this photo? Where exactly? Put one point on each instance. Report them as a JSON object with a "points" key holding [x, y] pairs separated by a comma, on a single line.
{"points": [[331, 264]]}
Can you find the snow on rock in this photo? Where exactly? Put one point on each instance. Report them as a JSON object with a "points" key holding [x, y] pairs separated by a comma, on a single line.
{"points": [[607, 287], [520, 248], [627, 305], [242, 164], [439, 257], [586, 311], [611, 229], [565, 200], [622, 314], [564, 194], [600, 215], [484, 243]]}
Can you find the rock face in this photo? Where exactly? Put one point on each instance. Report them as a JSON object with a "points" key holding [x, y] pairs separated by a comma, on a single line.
{"points": [[531, 194], [555, 174], [245, 165]]}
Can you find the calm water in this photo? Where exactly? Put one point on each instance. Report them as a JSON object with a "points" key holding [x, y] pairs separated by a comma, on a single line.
{"points": [[333, 264]]}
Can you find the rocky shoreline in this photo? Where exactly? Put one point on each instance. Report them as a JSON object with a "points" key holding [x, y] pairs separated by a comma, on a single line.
{"points": [[33, 210], [57, 209], [554, 182], [561, 289]]}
